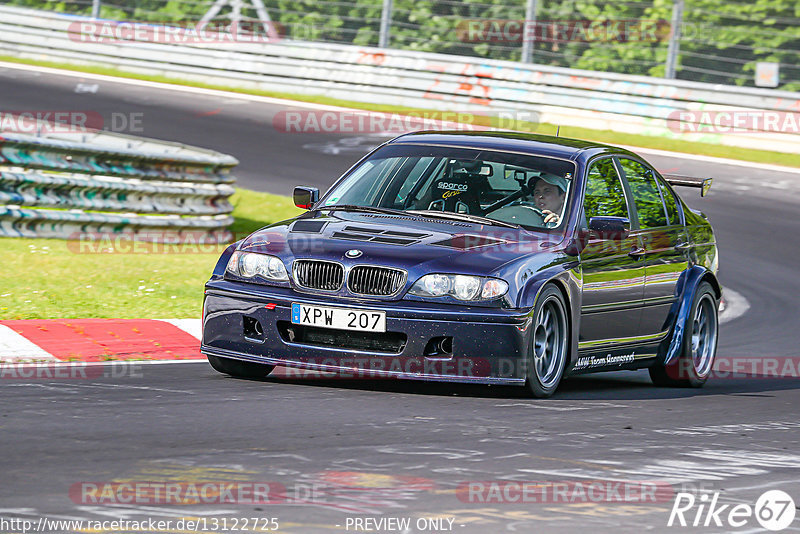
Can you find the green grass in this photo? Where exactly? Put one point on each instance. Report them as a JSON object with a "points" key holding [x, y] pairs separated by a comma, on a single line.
{"points": [[252, 210], [602, 136], [51, 278]]}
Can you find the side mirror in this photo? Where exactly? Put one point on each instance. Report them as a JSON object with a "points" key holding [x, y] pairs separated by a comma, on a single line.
{"points": [[305, 197], [616, 228], [578, 242]]}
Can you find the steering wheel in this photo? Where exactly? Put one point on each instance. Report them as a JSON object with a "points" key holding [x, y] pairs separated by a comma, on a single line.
{"points": [[519, 214], [518, 205]]}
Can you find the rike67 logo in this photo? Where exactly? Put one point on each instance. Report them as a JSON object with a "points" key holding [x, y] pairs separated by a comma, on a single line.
{"points": [[774, 510]]}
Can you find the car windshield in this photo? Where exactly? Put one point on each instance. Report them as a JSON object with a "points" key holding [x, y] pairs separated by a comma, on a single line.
{"points": [[482, 186]]}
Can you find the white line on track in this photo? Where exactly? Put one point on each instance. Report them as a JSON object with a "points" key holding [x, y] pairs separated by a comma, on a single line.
{"points": [[125, 511], [771, 484], [712, 159], [735, 305], [172, 87], [128, 386], [310, 105]]}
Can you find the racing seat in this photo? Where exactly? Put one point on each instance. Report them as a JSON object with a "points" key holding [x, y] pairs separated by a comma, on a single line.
{"points": [[460, 188]]}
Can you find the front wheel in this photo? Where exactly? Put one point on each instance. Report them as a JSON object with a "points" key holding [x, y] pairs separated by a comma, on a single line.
{"points": [[239, 368], [694, 363], [547, 355]]}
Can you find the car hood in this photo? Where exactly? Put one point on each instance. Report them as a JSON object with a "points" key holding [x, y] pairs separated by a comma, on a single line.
{"points": [[417, 245]]}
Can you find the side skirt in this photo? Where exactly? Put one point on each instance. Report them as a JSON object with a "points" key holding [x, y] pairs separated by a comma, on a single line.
{"points": [[615, 359]]}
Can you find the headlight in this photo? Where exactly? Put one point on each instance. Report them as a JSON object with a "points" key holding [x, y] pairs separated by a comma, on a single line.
{"points": [[466, 287], [250, 264], [435, 285], [459, 286]]}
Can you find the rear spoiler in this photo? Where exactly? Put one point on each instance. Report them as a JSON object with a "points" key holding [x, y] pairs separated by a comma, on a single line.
{"points": [[704, 184]]}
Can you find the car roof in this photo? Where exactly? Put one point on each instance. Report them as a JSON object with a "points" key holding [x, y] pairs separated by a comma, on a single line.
{"points": [[528, 143]]}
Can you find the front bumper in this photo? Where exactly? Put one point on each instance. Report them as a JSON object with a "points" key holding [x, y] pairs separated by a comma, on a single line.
{"points": [[488, 344]]}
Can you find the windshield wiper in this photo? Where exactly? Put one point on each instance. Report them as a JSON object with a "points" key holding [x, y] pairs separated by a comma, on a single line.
{"points": [[434, 214], [464, 217], [366, 209]]}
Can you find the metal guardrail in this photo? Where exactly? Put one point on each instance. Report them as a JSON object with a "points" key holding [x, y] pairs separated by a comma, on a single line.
{"points": [[698, 40], [590, 99], [109, 184]]}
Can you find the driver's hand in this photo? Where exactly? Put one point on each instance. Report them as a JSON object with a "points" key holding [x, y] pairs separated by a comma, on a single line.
{"points": [[550, 217]]}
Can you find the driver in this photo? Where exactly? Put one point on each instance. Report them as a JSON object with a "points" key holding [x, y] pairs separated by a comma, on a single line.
{"points": [[549, 193]]}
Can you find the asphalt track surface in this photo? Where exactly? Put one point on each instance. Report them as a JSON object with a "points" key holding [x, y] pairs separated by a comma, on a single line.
{"points": [[349, 449]]}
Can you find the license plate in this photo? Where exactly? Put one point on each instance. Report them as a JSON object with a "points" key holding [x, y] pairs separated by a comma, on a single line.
{"points": [[339, 318]]}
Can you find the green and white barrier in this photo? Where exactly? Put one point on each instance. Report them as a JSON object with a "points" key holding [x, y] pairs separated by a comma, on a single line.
{"points": [[107, 183]]}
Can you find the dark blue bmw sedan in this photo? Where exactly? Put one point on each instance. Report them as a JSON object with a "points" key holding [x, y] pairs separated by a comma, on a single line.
{"points": [[493, 258]]}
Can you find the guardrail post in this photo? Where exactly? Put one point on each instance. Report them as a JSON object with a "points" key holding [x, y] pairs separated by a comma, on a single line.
{"points": [[95, 9], [529, 31], [386, 24], [674, 39]]}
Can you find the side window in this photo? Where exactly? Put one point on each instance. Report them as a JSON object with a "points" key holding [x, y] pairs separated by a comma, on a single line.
{"points": [[646, 195], [670, 203], [604, 194]]}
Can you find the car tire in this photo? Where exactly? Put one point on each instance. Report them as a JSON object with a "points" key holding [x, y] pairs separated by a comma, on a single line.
{"points": [[239, 368], [693, 365], [549, 346]]}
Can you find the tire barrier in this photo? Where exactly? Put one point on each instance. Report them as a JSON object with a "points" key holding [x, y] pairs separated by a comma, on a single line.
{"points": [[110, 184]]}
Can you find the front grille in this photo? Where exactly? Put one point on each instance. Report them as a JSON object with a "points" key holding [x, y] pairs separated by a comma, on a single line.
{"points": [[321, 275], [388, 342], [378, 281]]}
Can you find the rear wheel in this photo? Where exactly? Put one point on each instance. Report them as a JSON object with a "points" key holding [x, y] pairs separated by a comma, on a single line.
{"points": [[239, 368], [694, 363], [547, 355]]}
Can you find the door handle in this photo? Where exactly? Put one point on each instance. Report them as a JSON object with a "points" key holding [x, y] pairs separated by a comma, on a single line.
{"points": [[636, 252]]}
